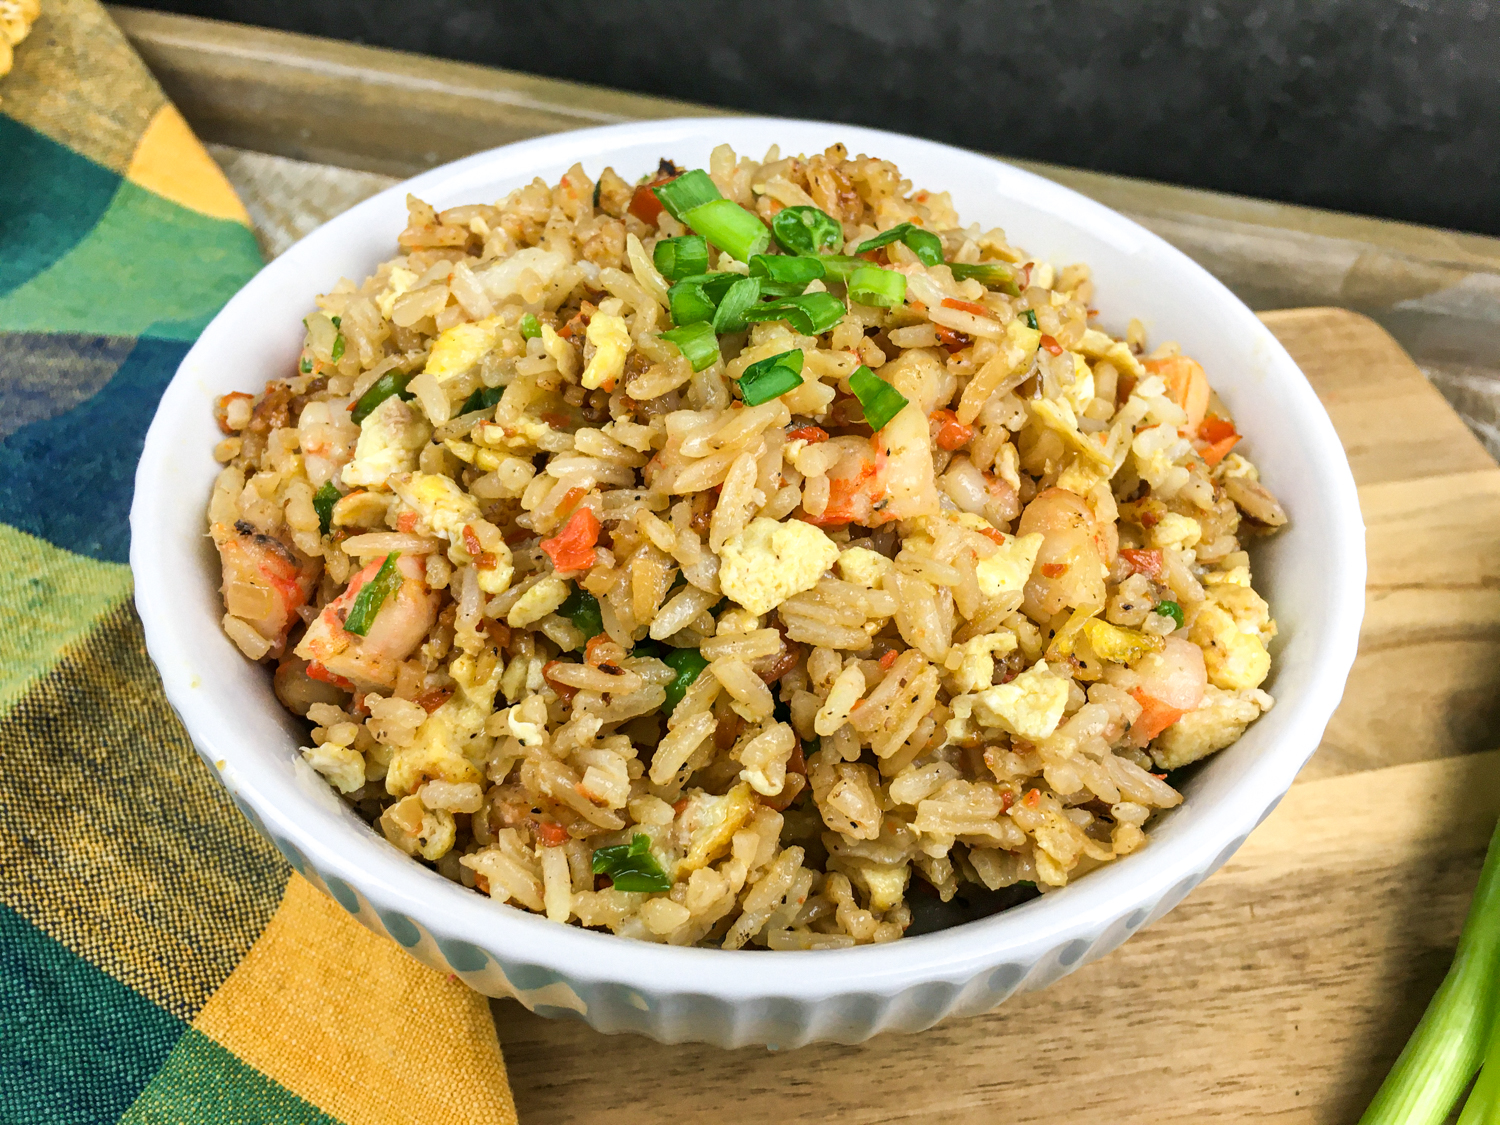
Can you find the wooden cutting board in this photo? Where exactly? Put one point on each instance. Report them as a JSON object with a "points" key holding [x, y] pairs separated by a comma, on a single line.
{"points": [[1284, 986]]}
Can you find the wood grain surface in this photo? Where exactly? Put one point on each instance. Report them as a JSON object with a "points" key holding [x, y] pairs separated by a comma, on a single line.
{"points": [[1283, 988]]}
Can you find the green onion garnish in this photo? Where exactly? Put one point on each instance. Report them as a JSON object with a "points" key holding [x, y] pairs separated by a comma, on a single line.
{"points": [[689, 303], [871, 285], [391, 383], [676, 258], [696, 342], [688, 663], [880, 400], [337, 352], [337, 320], [805, 230], [841, 266], [992, 275], [323, 501], [689, 190], [485, 398], [927, 246], [372, 596], [582, 609], [734, 230], [715, 285], [305, 366], [631, 867], [1172, 610], [812, 314], [730, 315], [771, 377], [531, 327], [1029, 316], [787, 269]]}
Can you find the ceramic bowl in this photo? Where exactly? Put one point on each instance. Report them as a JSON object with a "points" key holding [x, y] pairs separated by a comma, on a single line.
{"points": [[1312, 574]]}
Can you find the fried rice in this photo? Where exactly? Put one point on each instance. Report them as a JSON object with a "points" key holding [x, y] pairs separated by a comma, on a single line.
{"points": [[753, 602]]}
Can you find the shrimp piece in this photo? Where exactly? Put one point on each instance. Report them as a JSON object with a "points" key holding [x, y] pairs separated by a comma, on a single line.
{"points": [[265, 580], [327, 438], [1187, 385], [1069, 570], [1167, 684], [372, 661], [889, 477]]}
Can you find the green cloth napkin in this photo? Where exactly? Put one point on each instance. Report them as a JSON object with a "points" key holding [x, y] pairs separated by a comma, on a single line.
{"points": [[159, 962]]}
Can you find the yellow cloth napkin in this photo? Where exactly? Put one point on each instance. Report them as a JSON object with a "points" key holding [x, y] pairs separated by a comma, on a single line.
{"points": [[159, 962]]}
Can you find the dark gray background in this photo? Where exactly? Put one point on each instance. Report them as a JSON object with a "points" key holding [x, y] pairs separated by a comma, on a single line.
{"points": [[1377, 106]]}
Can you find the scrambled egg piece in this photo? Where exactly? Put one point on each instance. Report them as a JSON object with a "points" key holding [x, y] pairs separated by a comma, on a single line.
{"points": [[611, 340], [460, 348], [1218, 721], [1174, 530], [506, 277], [559, 349], [441, 505], [1060, 419], [390, 438], [1021, 342], [342, 766], [973, 662], [449, 741], [1081, 393], [1031, 705], [768, 562], [537, 602], [1117, 644], [1098, 345], [885, 883], [712, 823], [864, 567], [527, 734], [1234, 576], [1234, 655], [1082, 474], [1007, 570], [399, 281]]}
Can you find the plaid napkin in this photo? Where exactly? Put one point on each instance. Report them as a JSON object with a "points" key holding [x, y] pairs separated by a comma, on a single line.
{"points": [[159, 962]]}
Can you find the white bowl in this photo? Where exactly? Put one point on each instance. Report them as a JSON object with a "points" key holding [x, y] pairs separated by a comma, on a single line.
{"points": [[1312, 574]]}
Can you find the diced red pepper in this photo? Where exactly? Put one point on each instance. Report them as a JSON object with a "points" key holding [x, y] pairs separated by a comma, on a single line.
{"points": [[1213, 429], [888, 659], [1143, 561], [407, 522], [994, 534], [951, 433], [591, 654], [430, 701], [1054, 570], [1052, 345], [564, 691], [573, 547], [645, 206], [968, 307], [551, 834], [813, 435], [1032, 799], [1213, 454]]}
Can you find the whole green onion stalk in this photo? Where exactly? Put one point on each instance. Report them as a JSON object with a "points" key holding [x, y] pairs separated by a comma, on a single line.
{"points": [[1457, 1032]]}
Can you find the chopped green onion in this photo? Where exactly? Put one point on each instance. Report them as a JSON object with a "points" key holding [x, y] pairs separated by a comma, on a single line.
{"points": [[841, 266], [992, 275], [582, 609], [805, 230], [871, 285], [1449, 1042], [1029, 316], [697, 343], [927, 246], [772, 377], [812, 314], [597, 185], [631, 867], [730, 315], [688, 663], [305, 366], [337, 353], [323, 501], [715, 284], [689, 190], [786, 269], [372, 596], [485, 398], [689, 303], [531, 327], [337, 320], [734, 230], [880, 400], [676, 258], [391, 383], [1172, 610]]}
